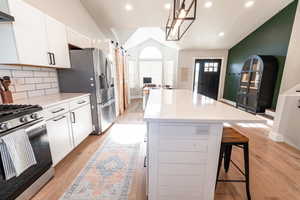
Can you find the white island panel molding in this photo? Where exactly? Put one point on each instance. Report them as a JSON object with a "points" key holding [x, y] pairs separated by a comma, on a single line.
{"points": [[184, 138]]}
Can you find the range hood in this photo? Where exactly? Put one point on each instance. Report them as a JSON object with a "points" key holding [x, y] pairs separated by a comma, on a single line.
{"points": [[6, 18]]}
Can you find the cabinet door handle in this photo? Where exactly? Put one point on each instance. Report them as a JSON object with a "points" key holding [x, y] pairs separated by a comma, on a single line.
{"points": [[57, 111], [59, 118], [73, 117], [50, 58], [81, 102], [53, 56]]}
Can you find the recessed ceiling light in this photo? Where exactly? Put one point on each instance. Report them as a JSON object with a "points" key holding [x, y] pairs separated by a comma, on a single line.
{"points": [[128, 7], [168, 6], [208, 4], [249, 4], [221, 34]]}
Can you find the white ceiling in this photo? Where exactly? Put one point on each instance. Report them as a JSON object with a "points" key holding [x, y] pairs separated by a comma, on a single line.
{"points": [[228, 16]]}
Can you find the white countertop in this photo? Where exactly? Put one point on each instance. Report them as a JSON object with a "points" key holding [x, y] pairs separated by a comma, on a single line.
{"points": [[184, 106], [51, 100]]}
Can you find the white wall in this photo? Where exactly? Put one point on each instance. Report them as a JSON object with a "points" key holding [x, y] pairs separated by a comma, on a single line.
{"points": [[291, 71], [286, 124], [72, 13], [187, 63]]}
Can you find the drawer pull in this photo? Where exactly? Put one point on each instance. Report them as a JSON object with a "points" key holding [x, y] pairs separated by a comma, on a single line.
{"points": [[73, 117], [57, 111], [81, 102], [59, 118]]}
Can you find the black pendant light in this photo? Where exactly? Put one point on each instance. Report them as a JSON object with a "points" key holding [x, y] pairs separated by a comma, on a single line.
{"points": [[182, 16]]}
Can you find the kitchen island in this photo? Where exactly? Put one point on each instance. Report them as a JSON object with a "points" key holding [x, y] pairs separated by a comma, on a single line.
{"points": [[184, 137]]}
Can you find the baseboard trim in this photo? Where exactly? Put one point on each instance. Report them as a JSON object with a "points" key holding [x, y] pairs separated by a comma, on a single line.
{"points": [[292, 144], [270, 113], [276, 137], [232, 103], [136, 97]]}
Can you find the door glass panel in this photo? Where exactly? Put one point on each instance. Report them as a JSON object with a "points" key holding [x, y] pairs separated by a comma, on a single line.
{"points": [[252, 101], [242, 100], [245, 77], [255, 79], [247, 65], [256, 66]]}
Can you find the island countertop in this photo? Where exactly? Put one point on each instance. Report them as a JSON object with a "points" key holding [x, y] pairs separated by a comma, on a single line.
{"points": [[186, 106]]}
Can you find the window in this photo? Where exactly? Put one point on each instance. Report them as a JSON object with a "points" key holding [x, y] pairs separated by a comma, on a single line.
{"points": [[150, 53], [169, 73], [151, 69], [211, 67], [132, 73]]}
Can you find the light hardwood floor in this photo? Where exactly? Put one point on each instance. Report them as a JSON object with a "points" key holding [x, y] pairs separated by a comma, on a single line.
{"points": [[274, 168]]}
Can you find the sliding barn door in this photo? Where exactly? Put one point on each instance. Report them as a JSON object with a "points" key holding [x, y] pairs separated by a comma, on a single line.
{"points": [[122, 80]]}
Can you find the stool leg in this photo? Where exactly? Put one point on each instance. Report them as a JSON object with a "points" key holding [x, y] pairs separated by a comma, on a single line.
{"points": [[220, 163], [246, 158], [227, 157]]}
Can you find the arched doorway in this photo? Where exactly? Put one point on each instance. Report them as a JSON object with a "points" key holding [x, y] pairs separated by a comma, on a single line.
{"points": [[150, 66]]}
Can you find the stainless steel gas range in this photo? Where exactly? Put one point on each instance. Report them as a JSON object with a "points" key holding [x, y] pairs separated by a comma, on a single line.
{"points": [[27, 118]]}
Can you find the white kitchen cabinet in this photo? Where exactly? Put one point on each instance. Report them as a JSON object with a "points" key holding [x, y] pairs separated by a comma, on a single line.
{"points": [[81, 123], [60, 137], [57, 43], [25, 40], [77, 39]]}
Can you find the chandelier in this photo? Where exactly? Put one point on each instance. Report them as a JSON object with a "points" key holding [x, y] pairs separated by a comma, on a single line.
{"points": [[181, 17]]}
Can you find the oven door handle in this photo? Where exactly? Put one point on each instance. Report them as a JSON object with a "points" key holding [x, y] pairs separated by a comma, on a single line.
{"points": [[35, 125]]}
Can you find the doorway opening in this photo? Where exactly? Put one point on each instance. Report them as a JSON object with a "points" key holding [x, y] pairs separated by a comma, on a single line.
{"points": [[207, 77]]}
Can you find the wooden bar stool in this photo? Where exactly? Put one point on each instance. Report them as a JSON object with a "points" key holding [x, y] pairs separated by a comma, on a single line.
{"points": [[232, 138]]}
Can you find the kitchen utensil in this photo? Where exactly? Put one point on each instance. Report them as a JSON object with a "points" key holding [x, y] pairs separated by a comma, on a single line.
{"points": [[6, 83], [1, 88], [6, 95]]}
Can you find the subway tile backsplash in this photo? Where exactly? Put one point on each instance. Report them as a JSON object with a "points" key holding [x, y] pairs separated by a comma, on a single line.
{"points": [[31, 81]]}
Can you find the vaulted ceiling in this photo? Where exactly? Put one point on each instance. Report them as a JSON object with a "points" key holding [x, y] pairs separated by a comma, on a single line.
{"points": [[228, 16]]}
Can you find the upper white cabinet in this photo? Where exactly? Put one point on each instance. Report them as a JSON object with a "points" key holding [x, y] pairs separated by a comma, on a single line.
{"points": [[33, 38], [77, 39], [58, 50], [25, 40]]}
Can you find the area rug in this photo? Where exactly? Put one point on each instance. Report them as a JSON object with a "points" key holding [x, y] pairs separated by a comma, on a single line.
{"points": [[109, 173]]}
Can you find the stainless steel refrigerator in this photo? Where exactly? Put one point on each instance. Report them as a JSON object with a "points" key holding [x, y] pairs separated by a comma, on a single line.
{"points": [[91, 72]]}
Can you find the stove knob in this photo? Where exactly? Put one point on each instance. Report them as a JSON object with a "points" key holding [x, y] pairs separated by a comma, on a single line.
{"points": [[23, 119], [34, 116], [3, 126]]}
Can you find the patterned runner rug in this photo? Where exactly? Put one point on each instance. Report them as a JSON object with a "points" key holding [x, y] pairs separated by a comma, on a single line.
{"points": [[109, 173]]}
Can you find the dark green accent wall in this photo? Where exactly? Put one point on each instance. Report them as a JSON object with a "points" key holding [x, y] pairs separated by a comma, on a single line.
{"points": [[272, 38]]}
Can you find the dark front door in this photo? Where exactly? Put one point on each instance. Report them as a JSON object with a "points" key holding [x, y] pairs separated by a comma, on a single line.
{"points": [[207, 77]]}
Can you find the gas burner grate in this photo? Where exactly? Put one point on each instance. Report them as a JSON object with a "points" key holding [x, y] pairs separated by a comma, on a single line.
{"points": [[12, 111]]}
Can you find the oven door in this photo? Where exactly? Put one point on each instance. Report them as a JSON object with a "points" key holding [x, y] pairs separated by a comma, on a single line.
{"points": [[37, 134]]}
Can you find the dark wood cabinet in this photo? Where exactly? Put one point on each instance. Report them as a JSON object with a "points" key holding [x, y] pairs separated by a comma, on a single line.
{"points": [[257, 83]]}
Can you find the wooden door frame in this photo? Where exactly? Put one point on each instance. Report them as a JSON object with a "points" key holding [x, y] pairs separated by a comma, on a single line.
{"points": [[222, 72]]}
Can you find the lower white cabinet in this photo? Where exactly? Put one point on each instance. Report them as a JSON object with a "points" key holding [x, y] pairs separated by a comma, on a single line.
{"points": [[81, 123], [60, 137], [68, 129]]}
